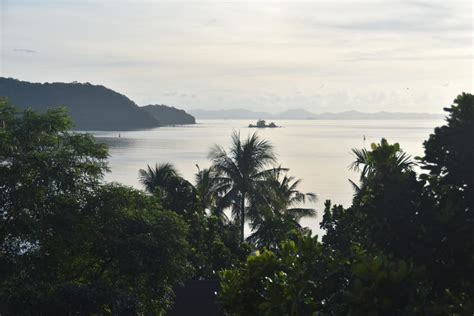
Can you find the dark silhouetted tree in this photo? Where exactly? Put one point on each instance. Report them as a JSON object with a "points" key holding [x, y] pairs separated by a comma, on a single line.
{"points": [[242, 169], [70, 244]]}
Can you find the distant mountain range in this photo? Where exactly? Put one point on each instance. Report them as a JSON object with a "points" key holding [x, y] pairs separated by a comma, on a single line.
{"points": [[95, 107], [301, 114], [91, 107]]}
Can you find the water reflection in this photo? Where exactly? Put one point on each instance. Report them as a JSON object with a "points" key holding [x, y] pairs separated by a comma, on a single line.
{"points": [[117, 142]]}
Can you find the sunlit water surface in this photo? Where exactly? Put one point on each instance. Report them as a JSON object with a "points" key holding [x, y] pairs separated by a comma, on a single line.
{"points": [[319, 152]]}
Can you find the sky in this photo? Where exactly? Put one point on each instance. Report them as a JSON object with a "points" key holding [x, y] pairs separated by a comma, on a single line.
{"points": [[266, 55]]}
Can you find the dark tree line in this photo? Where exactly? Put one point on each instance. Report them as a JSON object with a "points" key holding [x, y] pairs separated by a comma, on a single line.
{"points": [[404, 247], [72, 244]]}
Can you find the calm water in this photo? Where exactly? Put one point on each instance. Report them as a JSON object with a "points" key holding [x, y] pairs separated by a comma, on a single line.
{"points": [[319, 152]]}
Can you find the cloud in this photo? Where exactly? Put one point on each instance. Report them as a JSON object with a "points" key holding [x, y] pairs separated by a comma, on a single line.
{"points": [[231, 53], [100, 62], [25, 50], [411, 24], [170, 94], [179, 95], [393, 56], [402, 17]]}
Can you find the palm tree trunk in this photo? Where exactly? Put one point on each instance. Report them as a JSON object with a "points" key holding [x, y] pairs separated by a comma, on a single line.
{"points": [[242, 217]]}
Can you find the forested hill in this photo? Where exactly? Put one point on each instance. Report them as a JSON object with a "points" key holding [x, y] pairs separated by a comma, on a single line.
{"points": [[167, 115], [92, 107]]}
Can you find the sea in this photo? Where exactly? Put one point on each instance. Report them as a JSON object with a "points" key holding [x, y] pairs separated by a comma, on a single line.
{"points": [[316, 151]]}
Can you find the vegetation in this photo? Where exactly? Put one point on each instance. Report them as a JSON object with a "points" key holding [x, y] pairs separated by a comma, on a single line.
{"points": [[68, 242], [92, 107], [167, 115], [404, 247], [72, 244], [214, 242], [239, 183], [263, 124], [251, 189]]}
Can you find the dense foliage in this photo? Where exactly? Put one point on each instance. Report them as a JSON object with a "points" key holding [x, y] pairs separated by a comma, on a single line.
{"points": [[237, 184], [249, 184], [404, 247], [70, 244]]}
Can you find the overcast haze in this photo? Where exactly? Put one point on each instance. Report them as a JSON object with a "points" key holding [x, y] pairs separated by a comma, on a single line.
{"points": [[260, 55]]}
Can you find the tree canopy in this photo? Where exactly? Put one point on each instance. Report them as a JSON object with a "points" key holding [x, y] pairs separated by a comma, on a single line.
{"points": [[70, 243], [404, 246]]}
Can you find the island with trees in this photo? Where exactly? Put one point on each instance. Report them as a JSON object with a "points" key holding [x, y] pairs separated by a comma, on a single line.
{"points": [[263, 124], [73, 244]]}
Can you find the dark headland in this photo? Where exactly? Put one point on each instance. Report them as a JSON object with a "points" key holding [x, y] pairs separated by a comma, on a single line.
{"points": [[91, 107], [168, 115]]}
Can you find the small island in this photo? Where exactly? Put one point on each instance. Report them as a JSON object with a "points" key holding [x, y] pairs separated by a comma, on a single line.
{"points": [[263, 124]]}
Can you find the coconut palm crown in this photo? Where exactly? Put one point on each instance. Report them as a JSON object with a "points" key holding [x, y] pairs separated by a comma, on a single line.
{"points": [[241, 170]]}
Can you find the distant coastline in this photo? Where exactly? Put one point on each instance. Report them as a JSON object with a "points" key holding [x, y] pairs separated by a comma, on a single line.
{"points": [[301, 114]]}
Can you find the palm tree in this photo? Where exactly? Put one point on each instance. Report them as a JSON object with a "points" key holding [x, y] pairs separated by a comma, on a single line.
{"points": [[278, 209], [383, 158], [241, 171], [292, 198], [174, 192], [160, 176], [208, 187]]}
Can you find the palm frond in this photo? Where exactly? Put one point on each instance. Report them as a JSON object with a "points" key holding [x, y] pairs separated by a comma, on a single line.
{"points": [[162, 173], [355, 187], [299, 212]]}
